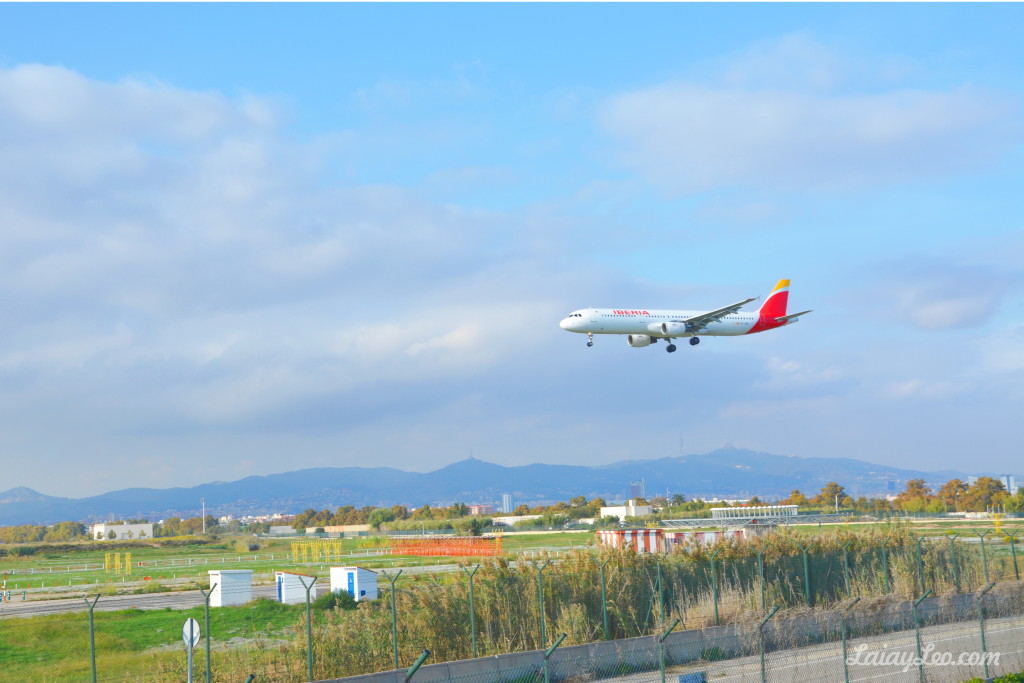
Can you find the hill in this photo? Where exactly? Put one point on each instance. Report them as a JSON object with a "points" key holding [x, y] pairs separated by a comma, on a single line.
{"points": [[725, 473]]}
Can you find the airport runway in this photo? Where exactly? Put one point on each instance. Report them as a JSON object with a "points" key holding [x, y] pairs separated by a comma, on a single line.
{"points": [[36, 606]]}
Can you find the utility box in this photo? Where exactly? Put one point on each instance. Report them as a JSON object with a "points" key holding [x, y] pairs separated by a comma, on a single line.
{"points": [[233, 587], [291, 587], [360, 583]]}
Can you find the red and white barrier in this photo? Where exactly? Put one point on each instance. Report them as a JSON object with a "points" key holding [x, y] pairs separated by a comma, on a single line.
{"points": [[658, 540]]}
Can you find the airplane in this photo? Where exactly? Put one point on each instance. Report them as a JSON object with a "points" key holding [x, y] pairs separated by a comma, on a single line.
{"points": [[644, 327]]}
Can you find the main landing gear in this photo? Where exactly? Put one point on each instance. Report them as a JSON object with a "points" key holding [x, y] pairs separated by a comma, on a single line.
{"points": [[671, 348], [590, 338]]}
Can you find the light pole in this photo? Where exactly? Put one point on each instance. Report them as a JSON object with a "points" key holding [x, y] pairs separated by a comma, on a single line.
{"points": [[204, 515]]}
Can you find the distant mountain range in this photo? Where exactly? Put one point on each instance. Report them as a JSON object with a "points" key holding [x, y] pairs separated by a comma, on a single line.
{"points": [[725, 473]]}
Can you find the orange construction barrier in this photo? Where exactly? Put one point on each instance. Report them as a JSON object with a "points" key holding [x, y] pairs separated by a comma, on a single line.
{"points": [[450, 546]]}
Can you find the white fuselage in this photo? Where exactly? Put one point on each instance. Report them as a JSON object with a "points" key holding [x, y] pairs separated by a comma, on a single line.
{"points": [[650, 322]]}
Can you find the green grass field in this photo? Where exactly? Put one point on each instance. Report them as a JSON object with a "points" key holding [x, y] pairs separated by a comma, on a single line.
{"points": [[56, 647]]}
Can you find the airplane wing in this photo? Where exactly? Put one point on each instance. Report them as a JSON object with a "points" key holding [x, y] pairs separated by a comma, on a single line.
{"points": [[699, 321]]}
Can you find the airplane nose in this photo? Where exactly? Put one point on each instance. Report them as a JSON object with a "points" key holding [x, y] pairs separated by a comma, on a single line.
{"points": [[564, 324]]}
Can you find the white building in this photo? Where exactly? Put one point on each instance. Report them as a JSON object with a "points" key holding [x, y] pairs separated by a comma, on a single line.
{"points": [[360, 583], [230, 587], [121, 532], [755, 511], [291, 587], [630, 509], [510, 520]]}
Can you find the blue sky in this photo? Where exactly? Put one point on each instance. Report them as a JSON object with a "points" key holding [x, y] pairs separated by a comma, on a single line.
{"points": [[243, 239]]}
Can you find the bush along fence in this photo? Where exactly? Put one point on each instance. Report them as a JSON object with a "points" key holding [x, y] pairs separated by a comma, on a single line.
{"points": [[496, 607]]}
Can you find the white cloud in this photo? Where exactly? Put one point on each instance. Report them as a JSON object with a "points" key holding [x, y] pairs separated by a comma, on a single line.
{"points": [[753, 127], [175, 244], [935, 296], [922, 389]]}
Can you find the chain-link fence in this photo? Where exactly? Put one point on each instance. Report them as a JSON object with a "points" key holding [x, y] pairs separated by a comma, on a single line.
{"points": [[522, 607], [954, 638]]}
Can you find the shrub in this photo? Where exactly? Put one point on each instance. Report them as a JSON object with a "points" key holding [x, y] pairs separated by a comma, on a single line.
{"points": [[332, 599], [22, 550]]}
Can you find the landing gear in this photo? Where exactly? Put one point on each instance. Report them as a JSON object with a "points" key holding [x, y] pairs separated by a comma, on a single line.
{"points": [[671, 348], [694, 341], [590, 338]]}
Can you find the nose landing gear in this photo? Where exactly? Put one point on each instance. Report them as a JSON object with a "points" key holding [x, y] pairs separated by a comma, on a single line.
{"points": [[694, 341], [590, 339]]}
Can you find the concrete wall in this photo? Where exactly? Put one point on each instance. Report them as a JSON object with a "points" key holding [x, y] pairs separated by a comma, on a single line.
{"points": [[733, 640]]}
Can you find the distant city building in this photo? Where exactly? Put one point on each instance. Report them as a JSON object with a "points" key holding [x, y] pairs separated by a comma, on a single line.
{"points": [[506, 503], [121, 532], [1010, 483], [481, 509], [630, 509], [636, 489]]}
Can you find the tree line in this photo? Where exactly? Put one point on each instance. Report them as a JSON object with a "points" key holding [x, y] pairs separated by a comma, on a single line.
{"points": [[955, 495]]}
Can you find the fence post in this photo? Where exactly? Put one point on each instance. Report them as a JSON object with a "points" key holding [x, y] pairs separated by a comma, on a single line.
{"points": [[309, 627], [981, 624], [760, 569], [842, 620], [714, 583], [760, 638], [885, 565], [661, 644], [92, 635], [540, 598], [920, 564], [1013, 551], [206, 599], [984, 555], [952, 551], [416, 665], [548, 653], [807, 575], [472, 611], [846, 568], [394, 614], [604, 599], [917, 635], [661, 592]]}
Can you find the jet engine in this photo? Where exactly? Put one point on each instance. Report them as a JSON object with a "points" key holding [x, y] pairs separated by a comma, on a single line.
{"points": [[638, 340], [675, 329]]}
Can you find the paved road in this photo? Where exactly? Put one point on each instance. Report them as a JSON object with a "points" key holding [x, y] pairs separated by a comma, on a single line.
{"points": [[825, 662], [36, 606]]}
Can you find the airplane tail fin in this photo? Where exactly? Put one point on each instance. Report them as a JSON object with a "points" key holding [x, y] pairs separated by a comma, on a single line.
{"points": [[774, 306]]}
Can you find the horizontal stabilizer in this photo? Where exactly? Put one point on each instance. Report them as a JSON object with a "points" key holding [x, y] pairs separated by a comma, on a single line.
{"points": [[791, 318]]}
